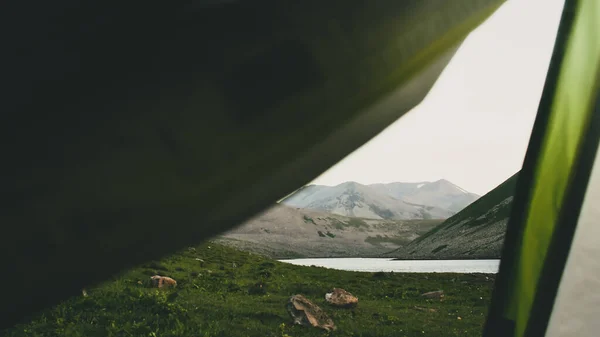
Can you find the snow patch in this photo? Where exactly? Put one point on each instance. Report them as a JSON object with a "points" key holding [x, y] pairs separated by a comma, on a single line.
{"points": [[420, 185]]}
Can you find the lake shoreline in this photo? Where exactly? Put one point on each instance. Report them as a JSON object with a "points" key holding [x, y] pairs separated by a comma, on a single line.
{"points": [[444, 259], [379, 257], [487, 266], [295, 252]]}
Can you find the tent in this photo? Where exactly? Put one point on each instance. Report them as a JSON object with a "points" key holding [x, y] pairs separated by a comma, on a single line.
{"points": [[132, 130], [548, 273]]}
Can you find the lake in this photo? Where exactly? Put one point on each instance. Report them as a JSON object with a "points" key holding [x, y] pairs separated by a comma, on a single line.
{"points": [[402, 266]]}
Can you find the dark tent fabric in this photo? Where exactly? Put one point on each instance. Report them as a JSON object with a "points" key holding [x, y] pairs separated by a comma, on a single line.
{"points": [[131, 130]]}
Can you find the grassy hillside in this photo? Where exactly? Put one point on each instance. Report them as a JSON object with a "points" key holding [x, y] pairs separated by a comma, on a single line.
{"points": [[475, 232], [473, 212], [219, 293]]}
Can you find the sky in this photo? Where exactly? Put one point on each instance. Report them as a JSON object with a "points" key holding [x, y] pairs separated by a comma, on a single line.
{"points": [[473, 127]]}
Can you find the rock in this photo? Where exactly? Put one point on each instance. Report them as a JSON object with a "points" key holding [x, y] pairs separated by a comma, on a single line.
{"points": [[434, 294], [341, 298], [304, 312], [163, 281]]}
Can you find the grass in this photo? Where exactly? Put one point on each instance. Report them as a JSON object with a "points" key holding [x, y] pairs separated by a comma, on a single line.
{"points": [[352, 222], [357, 223], [378, 240], [225, 292], [308, 219], [425, 226], [339, 225]]}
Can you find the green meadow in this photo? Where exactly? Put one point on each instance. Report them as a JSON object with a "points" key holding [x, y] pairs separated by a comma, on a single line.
{"points": [[225, 292]]}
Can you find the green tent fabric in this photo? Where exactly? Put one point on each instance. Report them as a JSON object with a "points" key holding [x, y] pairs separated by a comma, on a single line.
{"points": [[573, 311], [132, 130], [556, 156]]}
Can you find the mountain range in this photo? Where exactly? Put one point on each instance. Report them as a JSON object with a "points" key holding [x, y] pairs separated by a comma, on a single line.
{"points": [[308, 223], [400, 201], [477, 231]]}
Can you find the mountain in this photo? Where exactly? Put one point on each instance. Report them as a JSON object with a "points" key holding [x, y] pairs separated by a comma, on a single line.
{"points": [[284, 232], [425, 200], [475, 232], [441, 193]]}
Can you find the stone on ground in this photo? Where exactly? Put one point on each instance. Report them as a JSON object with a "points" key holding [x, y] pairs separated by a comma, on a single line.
{"points": [[306, 313], [341, 298]]}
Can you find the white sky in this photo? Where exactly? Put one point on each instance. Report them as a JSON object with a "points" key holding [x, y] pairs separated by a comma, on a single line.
{"points": [[474, 126]]}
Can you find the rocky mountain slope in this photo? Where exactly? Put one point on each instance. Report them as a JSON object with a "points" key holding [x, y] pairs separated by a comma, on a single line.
{"points": [[475, 232], [284, 232], [425, 200]]}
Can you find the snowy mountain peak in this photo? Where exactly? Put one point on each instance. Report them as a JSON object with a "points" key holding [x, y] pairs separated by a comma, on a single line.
{"points": [[421, 200]]}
